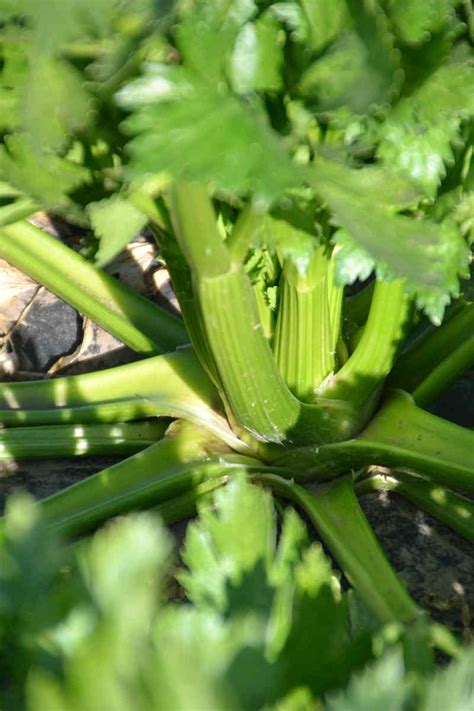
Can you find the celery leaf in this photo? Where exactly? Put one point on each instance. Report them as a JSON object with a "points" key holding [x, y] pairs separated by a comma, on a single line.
{"points": [[115, 222]]}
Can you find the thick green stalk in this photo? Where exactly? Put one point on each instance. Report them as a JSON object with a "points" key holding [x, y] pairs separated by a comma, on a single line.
{"points": [[356, 308], [454, 510], [185, 506], [170, 385], [181, 278], [257, 396], [440, 377], [360, 378], [170, 472], [428, 368], [265, 313], [402, 436], [145, 479], [245, 231], [341, 523], [194, 224], [255, 390], [132, 318], [304, 345], [78, 440]]}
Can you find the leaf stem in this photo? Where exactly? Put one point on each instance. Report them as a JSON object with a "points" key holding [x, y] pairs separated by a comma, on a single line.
{"points": [[360, 378], [429, 367], [304, 348], [258, 397], [129, 316], [78, 440], [169, 474], [334, 511], [454, 510], [401, 435], [171, 385]]}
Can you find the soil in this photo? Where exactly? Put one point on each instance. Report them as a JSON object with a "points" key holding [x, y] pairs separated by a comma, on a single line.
{"points": [[42, 336]]}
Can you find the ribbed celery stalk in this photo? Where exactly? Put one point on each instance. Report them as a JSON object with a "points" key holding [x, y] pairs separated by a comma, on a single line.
{"points": [[341, 523], [304, 345], [132, 318], [429, 367], [360, 378], [177, 466], [180, 274], [146, 478], [78, 440], [249, 225], [255, 390], [356, 307], [454, 510], [257, 395], [170, 385], [336, 300], [400, 435]]}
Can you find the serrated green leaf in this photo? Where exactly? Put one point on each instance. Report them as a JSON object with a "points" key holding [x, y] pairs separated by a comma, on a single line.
{"points": [[361, 68], [380, 686], [116, 562], [50, 185], [242, 533], [453, 688], [421, 150], [324, 21], [415, 20], [351, 261], [115, 222], [257, 57], [51, 116], [172, 134], [429, 256], [200, 644], [464, 216], [418, 136], [207, 50]]}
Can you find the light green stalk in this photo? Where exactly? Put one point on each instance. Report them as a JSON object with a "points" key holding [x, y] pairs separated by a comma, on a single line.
{"points": [[400, 435], [254, 388], [171, 385], [454, 510], [132, 318], [428, 368], [304, 341], [360, 378], [78, 440], [341, 523]]}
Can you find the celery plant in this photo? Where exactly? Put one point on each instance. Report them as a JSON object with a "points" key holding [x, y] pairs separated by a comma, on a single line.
{"points": [[279, 152]]}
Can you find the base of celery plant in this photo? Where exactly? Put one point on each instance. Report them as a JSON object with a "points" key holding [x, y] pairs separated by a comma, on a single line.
{"points": [[433, 582]]}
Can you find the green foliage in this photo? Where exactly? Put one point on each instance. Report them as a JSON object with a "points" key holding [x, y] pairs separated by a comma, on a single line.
{"points": [[267, 627], [279, 128], [247, 97], [179, 111], [115, 221]]}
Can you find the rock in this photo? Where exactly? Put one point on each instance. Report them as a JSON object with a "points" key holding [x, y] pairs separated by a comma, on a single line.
{"points": [[48, 329]]}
